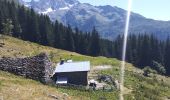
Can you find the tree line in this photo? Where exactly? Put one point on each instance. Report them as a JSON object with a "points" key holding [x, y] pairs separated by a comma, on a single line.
{"points": [[28, 25], [143, 50]]}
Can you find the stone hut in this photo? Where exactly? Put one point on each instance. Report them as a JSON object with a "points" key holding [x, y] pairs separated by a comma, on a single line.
{"points": [[74, 73]]}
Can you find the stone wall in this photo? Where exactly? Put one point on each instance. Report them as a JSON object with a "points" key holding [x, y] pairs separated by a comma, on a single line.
{"points": [[36, 68]]}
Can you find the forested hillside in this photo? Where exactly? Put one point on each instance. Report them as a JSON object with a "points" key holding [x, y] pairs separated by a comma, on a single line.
{"points": [[146, 50], [37, 28], [24, 23]]}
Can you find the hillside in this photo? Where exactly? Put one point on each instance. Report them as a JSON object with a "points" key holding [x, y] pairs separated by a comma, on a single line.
{"points": [[30, 26], [108, 20], [15, 87]]}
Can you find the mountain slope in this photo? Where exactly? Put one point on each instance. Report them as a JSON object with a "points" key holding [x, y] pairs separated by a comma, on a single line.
{"points": [[142, 88], [18, 88], [108, 20]]}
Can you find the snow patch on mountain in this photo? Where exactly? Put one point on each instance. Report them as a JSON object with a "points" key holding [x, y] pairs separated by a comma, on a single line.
{"points": [[67, 7], [64, 8], [47, 11]]}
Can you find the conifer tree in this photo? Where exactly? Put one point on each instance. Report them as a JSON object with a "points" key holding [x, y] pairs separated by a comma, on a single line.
{"points": [[69, 37], [167, 56], [57, 34], [43, 30], [94, 48], [22, 19], [7, 27]]}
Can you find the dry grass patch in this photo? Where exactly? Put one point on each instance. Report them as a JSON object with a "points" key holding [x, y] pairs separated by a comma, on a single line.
{"points": [[18, 88]]}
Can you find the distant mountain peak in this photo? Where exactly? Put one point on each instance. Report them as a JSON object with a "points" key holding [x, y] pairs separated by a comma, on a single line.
{"points": [[68, 1], [47, 6], [109, 20]]}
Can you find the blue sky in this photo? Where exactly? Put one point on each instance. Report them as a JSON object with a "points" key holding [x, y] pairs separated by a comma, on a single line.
{"points": [[155, 9]]}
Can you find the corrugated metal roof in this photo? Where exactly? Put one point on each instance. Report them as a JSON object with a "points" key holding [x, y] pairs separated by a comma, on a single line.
{"points": [[73, 67]]}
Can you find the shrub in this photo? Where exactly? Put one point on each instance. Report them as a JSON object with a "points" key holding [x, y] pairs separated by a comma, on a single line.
{"points": [[160, 68], [147, 71]]}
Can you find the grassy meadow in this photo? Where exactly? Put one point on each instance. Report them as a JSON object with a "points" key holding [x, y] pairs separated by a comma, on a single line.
{"points": [[137, 87]]}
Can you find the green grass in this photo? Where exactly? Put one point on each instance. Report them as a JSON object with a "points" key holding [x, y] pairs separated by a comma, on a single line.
{"points": [[14, 87], [91, 95], [143, 88]]}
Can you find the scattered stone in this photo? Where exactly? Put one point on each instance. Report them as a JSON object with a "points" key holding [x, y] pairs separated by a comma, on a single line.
{"points": [[53, 96], [105, 78], [65, 95], [117, 85]]}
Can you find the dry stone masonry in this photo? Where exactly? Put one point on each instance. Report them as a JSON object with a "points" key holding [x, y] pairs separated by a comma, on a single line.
{"points": [[36, 68]]}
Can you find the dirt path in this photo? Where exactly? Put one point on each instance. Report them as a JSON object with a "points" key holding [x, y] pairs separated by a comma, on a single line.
{"points": [[104, 67]]}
